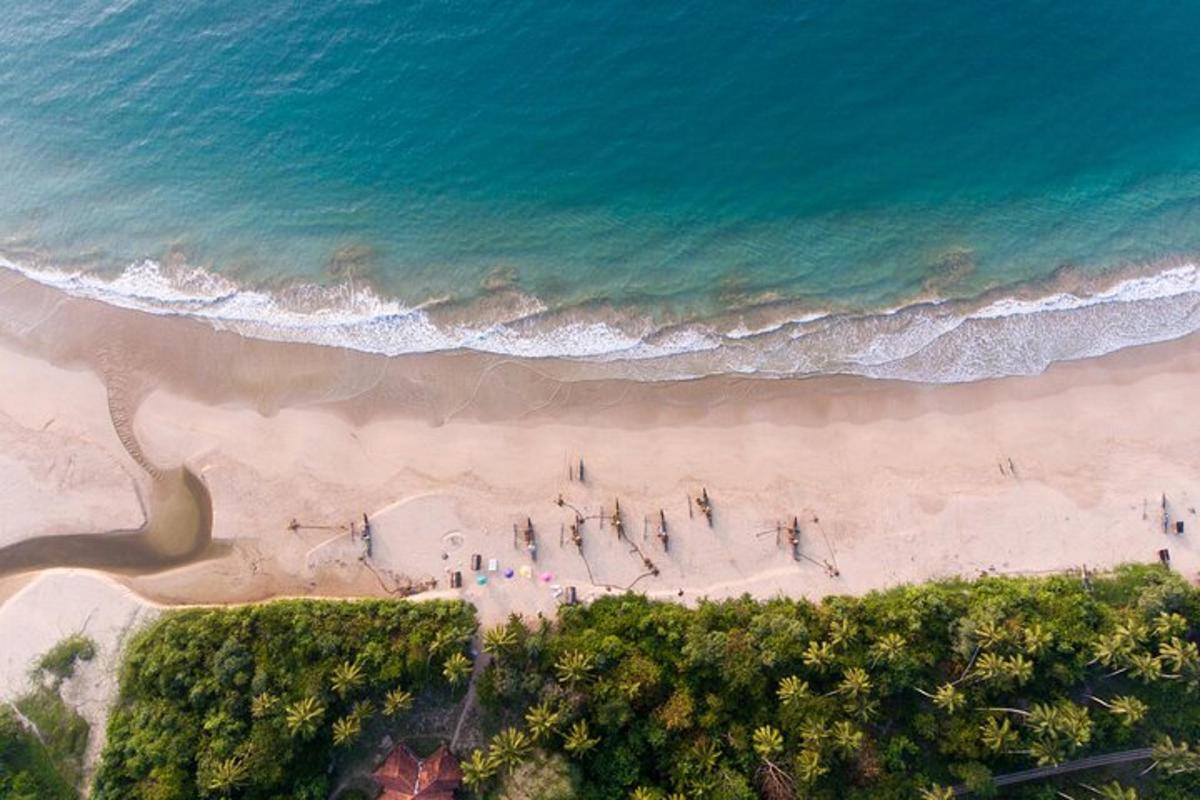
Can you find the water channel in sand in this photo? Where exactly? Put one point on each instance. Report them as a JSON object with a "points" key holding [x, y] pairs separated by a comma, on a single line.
{"points": [[178, 530]]}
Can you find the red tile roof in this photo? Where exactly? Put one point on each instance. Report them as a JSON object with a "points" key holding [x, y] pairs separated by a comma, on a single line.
{"points": [[403, 776]]}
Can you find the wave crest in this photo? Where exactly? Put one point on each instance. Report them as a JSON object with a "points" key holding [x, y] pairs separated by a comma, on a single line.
{"points": [[1019, 332]]}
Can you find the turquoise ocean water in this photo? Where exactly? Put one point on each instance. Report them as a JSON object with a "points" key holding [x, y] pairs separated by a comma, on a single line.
{"points": [[925, 190]]}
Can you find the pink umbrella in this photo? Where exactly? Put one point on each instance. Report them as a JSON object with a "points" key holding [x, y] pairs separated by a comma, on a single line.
{"points": [[547, 577]]}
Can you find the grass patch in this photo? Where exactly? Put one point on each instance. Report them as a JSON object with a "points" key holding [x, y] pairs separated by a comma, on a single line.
{"points": [[59, 661]]}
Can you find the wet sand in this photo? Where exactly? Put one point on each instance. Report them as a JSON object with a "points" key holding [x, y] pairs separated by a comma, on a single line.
{"points": [[178, 531], [891, 482]]}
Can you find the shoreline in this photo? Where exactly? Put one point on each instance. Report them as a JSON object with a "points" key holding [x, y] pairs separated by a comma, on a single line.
{"points": [[1005, 330], [448, 452]]}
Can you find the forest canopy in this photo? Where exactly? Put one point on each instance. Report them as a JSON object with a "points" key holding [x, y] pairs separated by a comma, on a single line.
{"points": [[898, 694], [254, 702], [902, 693]]}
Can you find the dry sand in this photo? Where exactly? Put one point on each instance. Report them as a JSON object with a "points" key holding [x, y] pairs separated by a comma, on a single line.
{"points": [[448, 454], [891, 482]]}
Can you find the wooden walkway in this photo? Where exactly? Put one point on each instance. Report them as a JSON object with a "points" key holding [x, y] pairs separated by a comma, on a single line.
{"points": [[1079, 765]]}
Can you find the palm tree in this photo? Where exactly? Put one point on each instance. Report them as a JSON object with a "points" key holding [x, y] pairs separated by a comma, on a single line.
{"points": [[1133, 630], [814, 731], [1145, 667], [444, 640], [988, 634], [543, 719], [998, 735], [347, 677], [1044, 719], [841, 632], [818, 655], [1017, 669], [948, 697], [809, 767], [263, 705], [227, 775], [1169, 625], [397, 701], [346, 729], [846, 738], [362, 710], [574, 667], [478, 769], [768, 742], [855, 687], [577, 741], [1179, 655], [456, 669], [509, 748], [1057, 729], [887, 649], [1077, 725], [988, 667], [1046, 752], [642, 793], [1174, 758], [855, 684], [706, 753], [774, 781], [303, 716], [937, 792], [1110, 650], [1127, 708], [498, 638], [792, 690], [1035, 639]]}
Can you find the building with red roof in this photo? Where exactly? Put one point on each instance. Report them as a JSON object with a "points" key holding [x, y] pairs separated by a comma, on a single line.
{"points": [[403, 776]]}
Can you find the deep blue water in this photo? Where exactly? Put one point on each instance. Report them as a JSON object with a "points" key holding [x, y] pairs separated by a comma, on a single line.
{"points": [[667, 159]]}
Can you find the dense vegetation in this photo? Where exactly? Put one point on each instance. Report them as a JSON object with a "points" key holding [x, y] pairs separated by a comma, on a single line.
{"points": [[252, 702], [41, 751], [63, 733], [27, 771], [898, 694]]}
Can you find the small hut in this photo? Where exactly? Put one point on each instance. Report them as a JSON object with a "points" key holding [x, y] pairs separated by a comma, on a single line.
{"points": [[403, 776]]}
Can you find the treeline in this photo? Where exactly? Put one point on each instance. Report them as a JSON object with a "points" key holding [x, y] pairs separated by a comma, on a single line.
{"points": [[899, 694], [896, 695], [254, 702]]}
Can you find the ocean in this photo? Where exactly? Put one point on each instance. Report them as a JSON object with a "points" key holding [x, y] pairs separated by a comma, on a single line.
{"points": [[919, 190]]}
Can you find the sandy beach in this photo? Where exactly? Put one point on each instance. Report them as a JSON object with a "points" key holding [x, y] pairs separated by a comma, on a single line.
{"points": [[449, 455], [453, 456]]}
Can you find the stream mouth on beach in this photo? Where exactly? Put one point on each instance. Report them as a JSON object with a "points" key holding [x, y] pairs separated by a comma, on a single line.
{"points": [[178, 531]]}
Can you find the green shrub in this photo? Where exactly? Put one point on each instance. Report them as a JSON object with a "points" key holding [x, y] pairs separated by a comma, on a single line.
{"points": [[59, 661]]}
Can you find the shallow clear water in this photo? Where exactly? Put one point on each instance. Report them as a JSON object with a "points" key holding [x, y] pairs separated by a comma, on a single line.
{"points": [[601, 179]]}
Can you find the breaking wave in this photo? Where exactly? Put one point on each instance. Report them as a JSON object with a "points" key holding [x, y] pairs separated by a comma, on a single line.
{"points": [[1012, 331]]}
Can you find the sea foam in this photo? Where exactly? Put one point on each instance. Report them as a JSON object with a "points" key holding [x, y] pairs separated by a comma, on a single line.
{"points": [[933, 341]]}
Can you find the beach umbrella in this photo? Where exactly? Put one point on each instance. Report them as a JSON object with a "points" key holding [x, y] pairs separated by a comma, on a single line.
{"points": [[508, 573], [526, 571], [481, 579], [547, 577]]}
